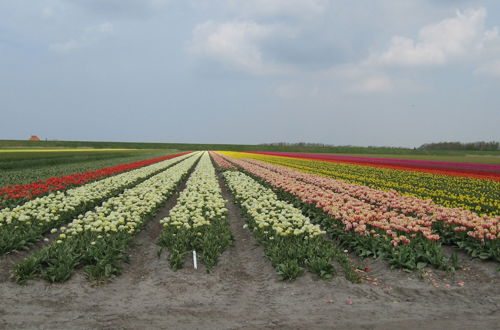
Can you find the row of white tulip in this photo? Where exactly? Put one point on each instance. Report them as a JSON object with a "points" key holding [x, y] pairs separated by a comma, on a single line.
{"points": [[198, 221], [57, 205], [127, 211], [201, 201], [269, 212]]}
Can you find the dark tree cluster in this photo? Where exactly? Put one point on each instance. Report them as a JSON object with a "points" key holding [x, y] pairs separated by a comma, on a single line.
{"points": [[479, 146]]}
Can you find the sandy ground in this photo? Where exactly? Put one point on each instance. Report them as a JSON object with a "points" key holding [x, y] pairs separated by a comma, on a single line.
{"points": [[243, 292]]}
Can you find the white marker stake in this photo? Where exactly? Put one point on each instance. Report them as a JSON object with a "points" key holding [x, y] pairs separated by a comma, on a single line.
{"points": [[195, 262]]}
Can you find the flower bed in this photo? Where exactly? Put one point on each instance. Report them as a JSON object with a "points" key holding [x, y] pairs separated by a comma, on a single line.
{"points": [[221, 162], [472, 170], [479, 196], [477, 235], [99, 238], [291, 241], [24, 224], [366, 230], [13, 195], [198, 221]]}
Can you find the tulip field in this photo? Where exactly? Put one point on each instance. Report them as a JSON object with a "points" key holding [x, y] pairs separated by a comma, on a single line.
{"points": [[98, 238], [463, 169], [24, 223], [290, 237], [25, 166], [404, 229], [304, 210]]}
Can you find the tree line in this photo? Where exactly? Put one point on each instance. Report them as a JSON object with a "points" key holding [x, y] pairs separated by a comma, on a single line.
{"points": [[479, 146]]}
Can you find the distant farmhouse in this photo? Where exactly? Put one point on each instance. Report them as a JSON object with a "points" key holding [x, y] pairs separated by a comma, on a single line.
{"points": [[34, 138]]}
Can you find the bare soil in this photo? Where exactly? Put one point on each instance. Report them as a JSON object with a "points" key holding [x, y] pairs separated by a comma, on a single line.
{"points": [[244, 292]]}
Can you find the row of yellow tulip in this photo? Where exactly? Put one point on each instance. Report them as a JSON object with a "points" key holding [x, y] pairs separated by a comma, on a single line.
{"points": [[479, 196]]}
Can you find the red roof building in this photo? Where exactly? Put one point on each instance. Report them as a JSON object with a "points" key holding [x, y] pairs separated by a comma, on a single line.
{"points": [[34, 138]]}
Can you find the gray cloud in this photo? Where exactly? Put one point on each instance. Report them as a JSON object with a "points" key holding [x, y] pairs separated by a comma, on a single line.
{"points": [[230, 72]]}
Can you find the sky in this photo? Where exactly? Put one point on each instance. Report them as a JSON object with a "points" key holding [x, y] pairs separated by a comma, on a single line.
{"points": [[365, 72]]}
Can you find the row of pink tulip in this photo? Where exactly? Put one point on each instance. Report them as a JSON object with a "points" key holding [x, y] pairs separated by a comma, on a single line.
{"points": [[425, 209], [357, 215], [221, 162]]}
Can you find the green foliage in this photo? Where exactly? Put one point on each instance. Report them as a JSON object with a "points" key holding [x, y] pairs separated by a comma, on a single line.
{"points": [[487, 250], [57, 262], [289, 270], [208, 241], [31, 159], [322, 267]]}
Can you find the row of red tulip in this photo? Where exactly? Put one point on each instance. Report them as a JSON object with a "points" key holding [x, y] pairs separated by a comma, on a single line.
{"points": [[17, 194], [472, 170]]}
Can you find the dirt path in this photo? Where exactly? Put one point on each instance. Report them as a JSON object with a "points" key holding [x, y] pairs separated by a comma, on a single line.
{"points": [[243, 292]]}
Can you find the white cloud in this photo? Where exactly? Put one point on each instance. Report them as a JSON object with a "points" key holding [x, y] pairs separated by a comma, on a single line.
{"points": [[295, 8], [236, 44], [489, 69], [251, 46], [372, 84], [89, 36], [463, 36]]}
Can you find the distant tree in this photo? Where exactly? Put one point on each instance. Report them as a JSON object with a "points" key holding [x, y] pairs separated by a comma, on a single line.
{"points": [[477, 146]]}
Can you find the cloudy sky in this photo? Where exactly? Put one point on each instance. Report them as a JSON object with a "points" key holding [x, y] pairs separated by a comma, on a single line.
{"points": [[365, 72]]}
